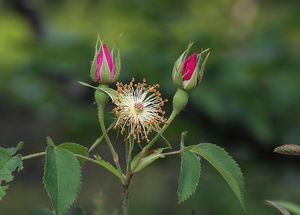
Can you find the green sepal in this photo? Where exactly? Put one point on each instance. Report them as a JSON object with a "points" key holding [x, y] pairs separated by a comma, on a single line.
{"points": [[94, 64], [201, 72], [117, 62], [145, 160], [178, 66], [109, 91], [104, 73]]}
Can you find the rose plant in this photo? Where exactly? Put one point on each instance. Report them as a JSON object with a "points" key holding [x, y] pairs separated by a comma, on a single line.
{"points": [[141, 121]]}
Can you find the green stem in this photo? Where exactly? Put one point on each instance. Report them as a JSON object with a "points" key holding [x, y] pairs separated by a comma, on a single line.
{"points": [[127, 153], [153, 141], [125, 195], [35, 155], [106, 137], [116, 172], [163, 129], [125, 201], [99, 140], [129, 148], [172, 153]]}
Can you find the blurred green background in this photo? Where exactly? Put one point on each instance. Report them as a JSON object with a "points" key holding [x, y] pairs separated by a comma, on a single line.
{"points": [[248, 101]]}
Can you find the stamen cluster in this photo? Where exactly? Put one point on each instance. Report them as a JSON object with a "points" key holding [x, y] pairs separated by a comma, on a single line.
{"points": [[138, 109]]}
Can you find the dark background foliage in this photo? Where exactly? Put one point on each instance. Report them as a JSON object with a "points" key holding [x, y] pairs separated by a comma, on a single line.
{"points": [[248, 101]]}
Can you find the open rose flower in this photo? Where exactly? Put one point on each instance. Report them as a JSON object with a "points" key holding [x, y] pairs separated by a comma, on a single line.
{"points": [[106, 66], [139, 110], [188, 71]]}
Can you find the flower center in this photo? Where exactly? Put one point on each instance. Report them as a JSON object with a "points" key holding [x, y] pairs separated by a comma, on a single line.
{"points": [[138, 110], [139, 107]]}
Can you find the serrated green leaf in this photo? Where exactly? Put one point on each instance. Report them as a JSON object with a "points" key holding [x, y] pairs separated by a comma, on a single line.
{"points": [[76, 149], [189, 175], [224, 164], [281, 209], [50, 142], [61, 178], [145, 161], [9, 162], [13, 150], [41, 211], [293, 208], [3, 191]]}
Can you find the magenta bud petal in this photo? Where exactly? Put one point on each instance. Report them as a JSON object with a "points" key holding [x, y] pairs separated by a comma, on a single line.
{"points": [[105, 67], [109, 62], [189, 67], [99, 65]]}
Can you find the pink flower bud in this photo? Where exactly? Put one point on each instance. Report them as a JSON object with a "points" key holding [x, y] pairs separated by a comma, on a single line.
{"points": [[189, 67], [187, 72], [106, 66], [109, 61]]}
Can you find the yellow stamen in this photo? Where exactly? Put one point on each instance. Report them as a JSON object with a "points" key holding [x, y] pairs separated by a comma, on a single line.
{"points": [[138, 109]]}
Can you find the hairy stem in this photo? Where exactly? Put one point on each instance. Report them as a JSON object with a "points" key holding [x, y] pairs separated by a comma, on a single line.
{"points": [[125, 195], [107, 139], [153, 141], [172, 153], [163, 129], [99, 140], [125, 201]]}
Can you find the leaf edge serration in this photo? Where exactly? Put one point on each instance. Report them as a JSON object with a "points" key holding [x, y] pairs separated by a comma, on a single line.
{"points": [[180, 199], [45, 186]]}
